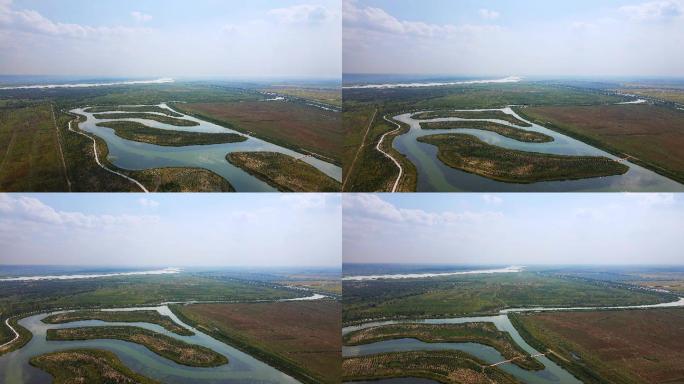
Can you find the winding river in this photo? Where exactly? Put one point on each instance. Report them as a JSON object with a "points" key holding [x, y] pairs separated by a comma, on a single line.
{"points": [[552, 372], [133, 155], [433, 175], [242, 368]]}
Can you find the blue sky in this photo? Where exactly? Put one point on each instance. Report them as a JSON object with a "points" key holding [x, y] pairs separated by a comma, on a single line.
{"points": [[171, 230], [300, 38], [521, 38], [515, 229]]}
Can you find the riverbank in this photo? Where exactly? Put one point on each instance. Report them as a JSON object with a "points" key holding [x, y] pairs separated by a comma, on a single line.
{"points": [[283, 172], [173, 349], [142, 316], [448, 367], [131, 130], [503, 130], [472, 155], [87, 366], [484, 333]]}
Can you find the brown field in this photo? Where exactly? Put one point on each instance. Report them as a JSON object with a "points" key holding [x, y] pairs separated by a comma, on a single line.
{"points": [[637, 346], [649, 135], [292, 125], [304, 334]]}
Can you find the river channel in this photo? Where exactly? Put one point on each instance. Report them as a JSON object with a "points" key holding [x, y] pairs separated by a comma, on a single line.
{"points": [[133, 155], [242, 368], [435, 176], [552, 372]]}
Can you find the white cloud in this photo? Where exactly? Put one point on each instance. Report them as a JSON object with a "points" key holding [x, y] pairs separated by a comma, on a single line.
{"points": [[488, 14], [654, 10], [305, 200], [651, 199], [491, 199], [302, 14], [376, 19], [373, 207], [30, 209], [31, 21], [141, 17], [148, 203]]}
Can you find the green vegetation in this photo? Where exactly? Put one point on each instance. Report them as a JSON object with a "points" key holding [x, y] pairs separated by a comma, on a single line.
{"points": [[87, 366], [366, 168], [30, 154], [470, 154], [113, 292], [133, 108], [648, 135], [481, 333], [135, 131], [297, 126], [284, 172], [448, 367], [499, 115], [142, 316], [165, 346], [184, 179], [458, 296], [301, 339], [503, 130], [147, 116], [6, 335], [622, 347]]}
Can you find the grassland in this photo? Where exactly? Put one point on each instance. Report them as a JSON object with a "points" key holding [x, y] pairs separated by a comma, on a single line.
{"points": [[503, 130], [6, 335], [30, 154], [135, 131], [470, 154], [143, 316], [481, 333], [87, 366], [284, 172], [133, 108], [165, 346], [181, 179], [458, 296], [300, 127], [31, 159], [43, 296], [651, 136], [372, 171], [622, 347], [330, 96], [147, 116], [448, 367], [299, 338], [499, 115]]}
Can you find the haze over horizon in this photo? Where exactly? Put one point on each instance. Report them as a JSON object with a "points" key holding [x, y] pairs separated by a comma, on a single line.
{"points": [[205, 38], [513, 229], [495, 38], [173, 230]]}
